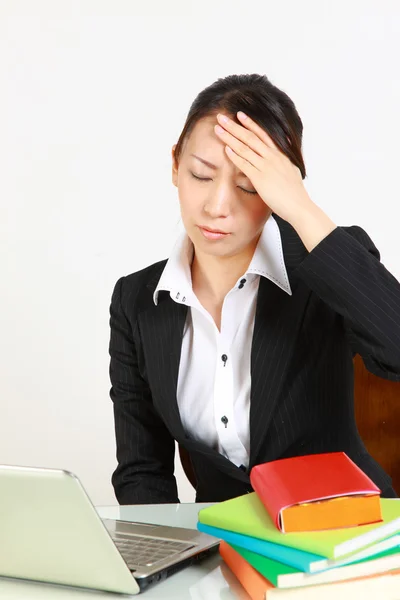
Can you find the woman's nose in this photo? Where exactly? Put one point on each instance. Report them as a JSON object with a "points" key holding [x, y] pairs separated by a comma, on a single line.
{"points": [[219, 202]]}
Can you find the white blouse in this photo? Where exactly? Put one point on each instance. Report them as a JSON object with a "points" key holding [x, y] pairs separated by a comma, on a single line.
{"points": [[214, 379]]}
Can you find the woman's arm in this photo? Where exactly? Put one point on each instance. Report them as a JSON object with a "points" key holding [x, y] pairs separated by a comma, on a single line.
{"points": [[345, 271], [145, 448]]}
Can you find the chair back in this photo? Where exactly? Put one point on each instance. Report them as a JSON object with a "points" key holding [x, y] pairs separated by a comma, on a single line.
{"points": [[377, 411]]}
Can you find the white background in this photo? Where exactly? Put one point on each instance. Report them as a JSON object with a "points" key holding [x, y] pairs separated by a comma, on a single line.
{"points": [[92, 97]]}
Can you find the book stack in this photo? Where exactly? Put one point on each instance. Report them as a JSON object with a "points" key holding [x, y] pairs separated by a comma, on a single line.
{"points": [[315, 527]]}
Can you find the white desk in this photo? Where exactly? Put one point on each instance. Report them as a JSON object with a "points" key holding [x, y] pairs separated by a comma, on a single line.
{"points": [[210, 580]]}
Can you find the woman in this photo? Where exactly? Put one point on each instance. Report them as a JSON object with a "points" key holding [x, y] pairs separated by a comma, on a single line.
{"points": [[241, 345]]}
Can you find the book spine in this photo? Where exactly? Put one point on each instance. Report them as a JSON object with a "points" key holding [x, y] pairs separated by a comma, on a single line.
{"points": [[269, 493]]}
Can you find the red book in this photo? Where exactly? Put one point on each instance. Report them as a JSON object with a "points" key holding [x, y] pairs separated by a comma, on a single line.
{"points": [[316, 491]]}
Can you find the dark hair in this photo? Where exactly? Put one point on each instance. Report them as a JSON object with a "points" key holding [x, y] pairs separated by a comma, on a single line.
{"points": [[263, 102]]}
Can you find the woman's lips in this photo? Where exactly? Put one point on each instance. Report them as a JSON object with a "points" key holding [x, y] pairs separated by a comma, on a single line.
{"points": [[212, 235]]}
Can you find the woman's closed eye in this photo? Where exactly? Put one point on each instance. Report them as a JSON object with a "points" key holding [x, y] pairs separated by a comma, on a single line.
{"points": [[209, 179]]}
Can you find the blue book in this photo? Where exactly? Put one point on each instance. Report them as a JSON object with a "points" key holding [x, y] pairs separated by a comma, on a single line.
{"points": [[285, 554]]}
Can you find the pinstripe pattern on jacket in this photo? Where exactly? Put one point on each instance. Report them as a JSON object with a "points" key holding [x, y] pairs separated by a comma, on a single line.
{"points": [[344, 301]]}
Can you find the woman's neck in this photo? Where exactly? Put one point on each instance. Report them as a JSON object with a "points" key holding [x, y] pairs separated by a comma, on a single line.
{"points": [[215, 276]]}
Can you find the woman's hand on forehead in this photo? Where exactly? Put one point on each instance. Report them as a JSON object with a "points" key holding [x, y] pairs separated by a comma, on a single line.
{"points": [[276, 179]]}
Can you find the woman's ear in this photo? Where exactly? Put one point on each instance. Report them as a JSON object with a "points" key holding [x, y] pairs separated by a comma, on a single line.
{"points": [[174, 167]]}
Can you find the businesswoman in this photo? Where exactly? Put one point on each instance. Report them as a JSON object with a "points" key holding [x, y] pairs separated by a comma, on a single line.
{"points": [[240, 346]]}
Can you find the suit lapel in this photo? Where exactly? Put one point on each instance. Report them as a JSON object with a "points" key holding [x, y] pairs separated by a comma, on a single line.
{"points": [[162, 331], [277, 319]]}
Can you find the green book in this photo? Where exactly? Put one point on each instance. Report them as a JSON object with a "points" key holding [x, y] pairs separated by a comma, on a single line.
{"points": [[248, 516], [284, 576]]}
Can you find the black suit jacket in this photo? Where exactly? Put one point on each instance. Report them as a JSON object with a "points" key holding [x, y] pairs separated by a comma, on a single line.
{"points": [[344, 301]]}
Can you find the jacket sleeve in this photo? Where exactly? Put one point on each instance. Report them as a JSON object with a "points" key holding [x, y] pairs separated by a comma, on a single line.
{"points": [[345, 271], [145, 448]]}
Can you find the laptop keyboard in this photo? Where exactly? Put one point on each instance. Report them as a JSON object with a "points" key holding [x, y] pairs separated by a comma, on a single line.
{"points": [[145, 551]]}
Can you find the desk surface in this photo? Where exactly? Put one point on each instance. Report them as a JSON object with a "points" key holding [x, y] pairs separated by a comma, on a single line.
{"points": [[210, 580]]}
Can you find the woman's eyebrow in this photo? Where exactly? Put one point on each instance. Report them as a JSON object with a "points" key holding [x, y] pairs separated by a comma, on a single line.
{"points": [[208, 164]]}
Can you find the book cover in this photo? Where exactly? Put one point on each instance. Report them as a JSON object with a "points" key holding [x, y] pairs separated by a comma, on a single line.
{"points": [[290, 556], [253, 582], [299, 559], [385, 585], [316, 491], [247, 515], [284, 576]]}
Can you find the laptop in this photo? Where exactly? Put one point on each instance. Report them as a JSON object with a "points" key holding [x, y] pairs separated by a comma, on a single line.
{"points": [[51, 532]]}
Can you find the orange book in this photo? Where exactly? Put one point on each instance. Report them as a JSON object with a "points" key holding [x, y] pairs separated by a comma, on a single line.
{"points": [[316, 492], [384, 585], [344, 511], [253, 582]]}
